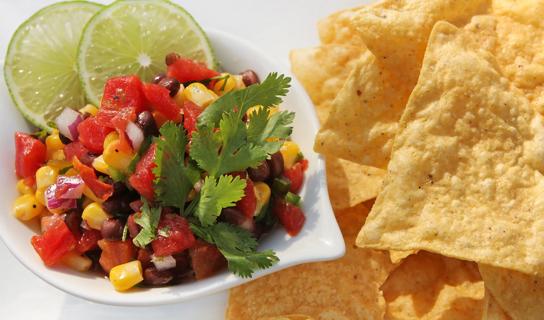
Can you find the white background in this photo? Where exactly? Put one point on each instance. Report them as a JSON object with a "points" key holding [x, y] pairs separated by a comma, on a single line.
{"points": [[275, 26]]}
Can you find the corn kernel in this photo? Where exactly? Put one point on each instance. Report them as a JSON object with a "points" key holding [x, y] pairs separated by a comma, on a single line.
{"points": [[224, 85], [239, 81], [40, 196], [262, 193], [77, 262], [53, 144], [90, 109], [126, 276], [289, 151], [198, 94], [89, 194], [46, 176], [24, 188], [94, 215], [111, 137], [27, 207], [58, 155], [179, 98], [58, 164], [116, 158], [100, 165]]}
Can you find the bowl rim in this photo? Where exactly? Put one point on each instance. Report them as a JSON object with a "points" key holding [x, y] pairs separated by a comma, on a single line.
{"points": [[329, 250]]}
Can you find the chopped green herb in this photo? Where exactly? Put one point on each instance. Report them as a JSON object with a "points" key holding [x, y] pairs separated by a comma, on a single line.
{"points": [[149, 221], [216, 195]]}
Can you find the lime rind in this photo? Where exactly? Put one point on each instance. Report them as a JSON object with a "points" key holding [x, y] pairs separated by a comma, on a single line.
{"points": [[36, 110], [125, 37]]}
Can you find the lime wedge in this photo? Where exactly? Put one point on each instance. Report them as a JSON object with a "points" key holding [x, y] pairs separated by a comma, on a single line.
{"points": [[40, 66], [133, 37]]}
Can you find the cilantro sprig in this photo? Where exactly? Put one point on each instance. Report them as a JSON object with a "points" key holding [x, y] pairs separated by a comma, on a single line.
{"points": [[149, 221], [216, 195]]}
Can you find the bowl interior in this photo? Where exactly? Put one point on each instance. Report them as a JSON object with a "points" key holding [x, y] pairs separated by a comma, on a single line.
{"points": [[320, 238]]}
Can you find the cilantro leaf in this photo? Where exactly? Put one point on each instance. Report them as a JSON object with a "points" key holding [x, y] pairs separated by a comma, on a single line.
{"points": [[268, 93], [173, 178], [238, 246], [225, 150], [149, 221], [216, 195], [269, 131]]}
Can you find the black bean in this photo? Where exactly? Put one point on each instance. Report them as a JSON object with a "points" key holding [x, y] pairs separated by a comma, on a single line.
{"points": [[117, 206], [249, 77], [133, 227], [73, 221], [171, 58], [276, 164], [154, 277], [235, 217], [261, 173], [146, 122], [64, 139], [158, 78], [112, 229], [171, 84]]}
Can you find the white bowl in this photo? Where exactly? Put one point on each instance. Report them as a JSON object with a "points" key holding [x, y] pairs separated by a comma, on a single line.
{"points": [[320, 239]]}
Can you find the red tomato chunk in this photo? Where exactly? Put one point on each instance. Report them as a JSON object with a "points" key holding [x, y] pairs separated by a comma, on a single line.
{"points": [[180, 237], [206, 260], [159, 98], [115, 253], [88, 240], [295, 174], [185, 70], [142, 178], [30, 154], [290, 216], [54, 243], [92, 134]]}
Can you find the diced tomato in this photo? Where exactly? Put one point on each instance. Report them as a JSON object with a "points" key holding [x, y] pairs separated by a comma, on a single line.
{"points": [[180, 237], [30, 154], [290, 216], [76, 149], [123, 92], [248, 204], [206, 260], [295, 174], [143, 177], [115, 253], [161, 101], [101, 189], [92, 134], [133, 227], [144, 256], [54, 243], [88, 240], [185, 70], [191, 112], [305, 164]]}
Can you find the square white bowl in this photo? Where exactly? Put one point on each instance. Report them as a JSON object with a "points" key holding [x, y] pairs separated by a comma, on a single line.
{"points": [[320, 238]]}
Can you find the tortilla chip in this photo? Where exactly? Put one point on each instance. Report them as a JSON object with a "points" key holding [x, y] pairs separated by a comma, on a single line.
{"points": [[365, 114], [397, 256], [493, 311], [524, 11], [465, 176], [430, 286], [338, 28], [314, 289], [520, 295], [290, 317]]}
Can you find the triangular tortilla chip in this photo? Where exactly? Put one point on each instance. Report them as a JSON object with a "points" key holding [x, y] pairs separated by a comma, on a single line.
{"points": [[347, 288], [430, 286], [465, 176]]}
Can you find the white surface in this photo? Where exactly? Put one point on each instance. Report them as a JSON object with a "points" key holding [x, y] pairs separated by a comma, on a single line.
{"points": [[273, 26]]}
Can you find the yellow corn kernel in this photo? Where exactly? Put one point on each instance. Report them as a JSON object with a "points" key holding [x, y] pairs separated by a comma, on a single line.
{"points": [[198, 94], [53, 144], [179, 98], [111, 137], [262, 193], [90, 109], [224, 85], [126, 275], [46, 176], [40, 196], [239, 81], [100, 165], [58, 164], [77, 262], [89, 194], [289, 151], [94, 215], [27, 207], [58, 155], [115, 158], [24, 188]]}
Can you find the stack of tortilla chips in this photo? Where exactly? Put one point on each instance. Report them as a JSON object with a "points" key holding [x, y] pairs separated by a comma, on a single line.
{"points": [[433, 107]]}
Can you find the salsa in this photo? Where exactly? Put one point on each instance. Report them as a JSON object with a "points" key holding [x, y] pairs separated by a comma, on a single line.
{"points": [[166, 181]]}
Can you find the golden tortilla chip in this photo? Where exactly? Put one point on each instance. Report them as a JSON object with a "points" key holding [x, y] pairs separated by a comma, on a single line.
{"points": [[430, 286], [465, 176], [397, 256], [524, 11], [520, 295], [290, 317], [338, 28], [313, 289], [493, 310], [365, 114]]}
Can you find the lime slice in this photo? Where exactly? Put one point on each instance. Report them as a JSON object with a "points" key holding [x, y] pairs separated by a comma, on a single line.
{"points": [[133, 37], [40, 66]]}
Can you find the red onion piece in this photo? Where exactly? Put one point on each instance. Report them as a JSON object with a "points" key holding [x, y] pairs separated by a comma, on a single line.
{"points": [[67, 122], [163, 263], [54, 203], [135, 135], [72, 187]]}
